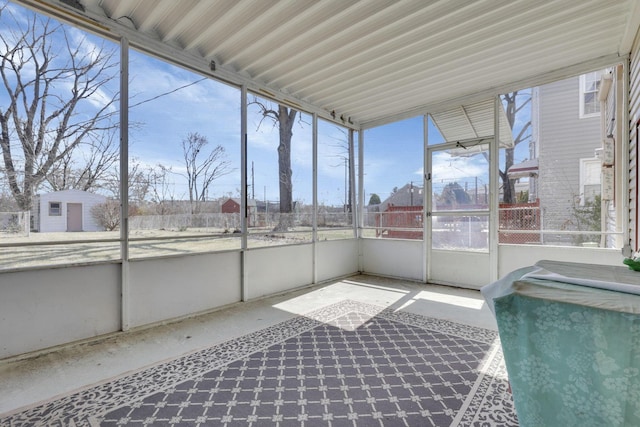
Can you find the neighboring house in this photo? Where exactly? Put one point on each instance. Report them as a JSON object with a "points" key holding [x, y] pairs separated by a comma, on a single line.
{"points": [[402, 209], [568, 131], [67, 210], [408, 195]]}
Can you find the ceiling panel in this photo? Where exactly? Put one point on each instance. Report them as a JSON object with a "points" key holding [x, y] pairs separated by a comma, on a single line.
{"points": [[472, 122], [372, 60]]}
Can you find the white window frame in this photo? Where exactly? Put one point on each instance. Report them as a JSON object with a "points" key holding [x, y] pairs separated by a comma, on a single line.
{"points": [[584, 92], [52, 210], [588, 177]]}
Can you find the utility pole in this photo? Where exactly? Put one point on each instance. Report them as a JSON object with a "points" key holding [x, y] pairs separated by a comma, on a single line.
{"points": [[346, 177], [411, 192]]}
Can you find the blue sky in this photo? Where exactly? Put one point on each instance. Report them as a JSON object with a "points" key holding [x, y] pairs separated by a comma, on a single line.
{"points": [[394, 158]]}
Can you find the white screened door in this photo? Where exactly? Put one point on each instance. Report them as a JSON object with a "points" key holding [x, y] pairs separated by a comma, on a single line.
{"points": [[458, 214]]}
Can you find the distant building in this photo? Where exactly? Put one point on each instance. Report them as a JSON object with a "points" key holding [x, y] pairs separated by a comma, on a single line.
{"points": [[67, 210], [568, 131], [408, 195], [232, 206], [401, 210]]}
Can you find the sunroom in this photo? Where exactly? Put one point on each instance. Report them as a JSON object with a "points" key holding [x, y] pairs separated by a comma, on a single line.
{"points": [[267, 161]]}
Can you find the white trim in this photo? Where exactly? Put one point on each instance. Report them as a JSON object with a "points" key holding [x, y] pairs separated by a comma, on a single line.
{"points": [[631, 29], [59, 209], [588, 177]]}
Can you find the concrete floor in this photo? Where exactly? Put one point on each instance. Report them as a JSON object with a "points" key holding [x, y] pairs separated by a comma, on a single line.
{"points": [[69, 368]]}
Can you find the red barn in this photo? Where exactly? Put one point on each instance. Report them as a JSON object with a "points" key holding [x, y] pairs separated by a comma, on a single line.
{"points": [[232, 206]]}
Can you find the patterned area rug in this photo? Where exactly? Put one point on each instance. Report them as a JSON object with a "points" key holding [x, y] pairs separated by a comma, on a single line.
{"points": [[348, 364]]}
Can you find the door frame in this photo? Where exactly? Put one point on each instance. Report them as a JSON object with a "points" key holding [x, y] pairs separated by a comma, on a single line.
{"points": [[463, 256]]}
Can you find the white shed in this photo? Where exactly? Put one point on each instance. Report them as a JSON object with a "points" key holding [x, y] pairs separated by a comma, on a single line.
{"points": [[68, 210]]}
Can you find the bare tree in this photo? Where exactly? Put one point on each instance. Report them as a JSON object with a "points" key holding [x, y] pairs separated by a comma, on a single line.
{"points": [[202, 168], [51, 104], [342, 144], [90, 171], [283, 117], [146, 183], [136, 179], [107, 214], [162, 192], [514, 102]]}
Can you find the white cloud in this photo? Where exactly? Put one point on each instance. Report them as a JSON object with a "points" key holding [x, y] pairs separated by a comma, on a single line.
{"points": [[450, 168]]}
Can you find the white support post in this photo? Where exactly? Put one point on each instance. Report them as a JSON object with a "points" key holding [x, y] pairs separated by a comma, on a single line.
{"points": [[244, 193], [353, 205], [314, 220], [124, 182], [426, 203], [360, 209], [494, 174]]}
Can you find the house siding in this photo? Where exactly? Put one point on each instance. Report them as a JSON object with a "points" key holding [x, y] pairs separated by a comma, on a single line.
{"points": [[634, 118], [564, 138]]}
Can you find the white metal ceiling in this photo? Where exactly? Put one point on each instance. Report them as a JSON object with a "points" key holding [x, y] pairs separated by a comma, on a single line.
{"points": [[375, 60]]}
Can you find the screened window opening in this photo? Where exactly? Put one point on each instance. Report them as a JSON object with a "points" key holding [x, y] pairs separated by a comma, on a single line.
{"points": [[279, 174], [184, 162], [335, 187], [558, 190], [393, 180], [62, 160]]}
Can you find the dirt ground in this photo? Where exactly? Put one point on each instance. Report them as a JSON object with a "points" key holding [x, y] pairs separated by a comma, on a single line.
{"points": [[41, 249]]}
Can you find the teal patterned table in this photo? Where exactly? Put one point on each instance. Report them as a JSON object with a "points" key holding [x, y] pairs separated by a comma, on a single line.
{"points": [[572, 351]]}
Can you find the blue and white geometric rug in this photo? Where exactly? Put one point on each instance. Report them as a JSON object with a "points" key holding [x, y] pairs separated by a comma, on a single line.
{"points": [[348, 364]]}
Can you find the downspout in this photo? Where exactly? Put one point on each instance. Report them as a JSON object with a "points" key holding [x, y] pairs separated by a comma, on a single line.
{"points": [[603, 95], [636, 178]]}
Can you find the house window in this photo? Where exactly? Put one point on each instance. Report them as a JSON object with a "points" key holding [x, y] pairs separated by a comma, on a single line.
{"points": [[589, 85], [589, 179], [55, 209]]}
